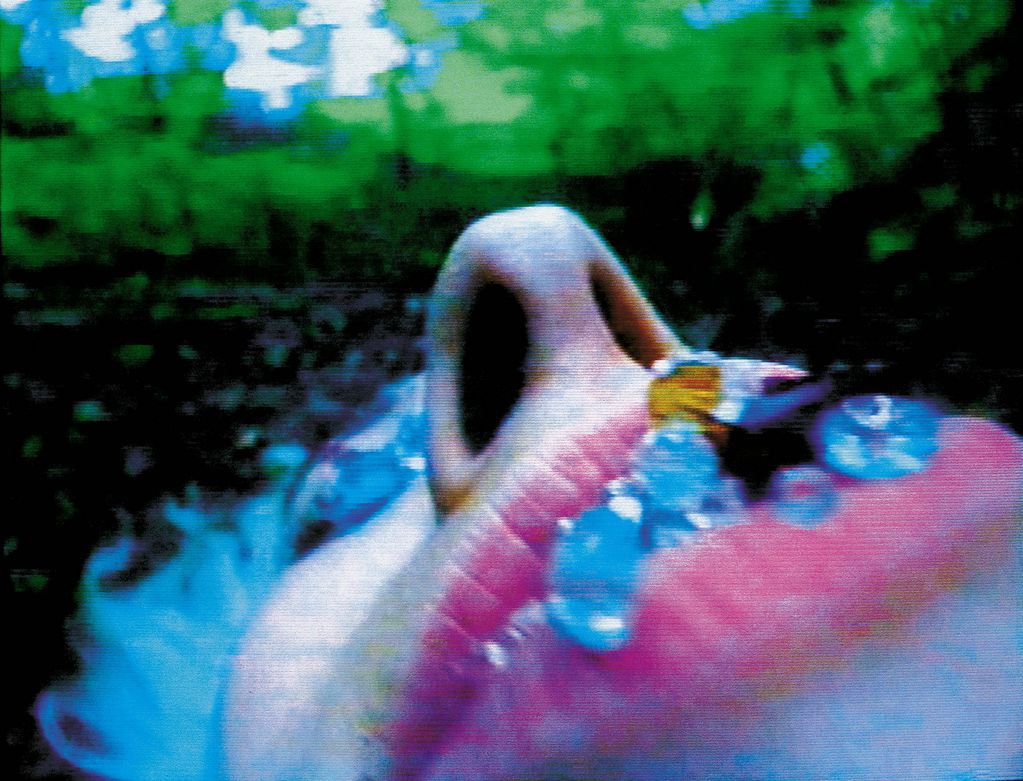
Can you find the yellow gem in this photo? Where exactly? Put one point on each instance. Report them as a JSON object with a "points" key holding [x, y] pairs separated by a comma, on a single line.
{"points": [[690, 392]]}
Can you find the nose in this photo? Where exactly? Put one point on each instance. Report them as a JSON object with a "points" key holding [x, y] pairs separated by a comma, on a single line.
{"points": [[532, 320]]}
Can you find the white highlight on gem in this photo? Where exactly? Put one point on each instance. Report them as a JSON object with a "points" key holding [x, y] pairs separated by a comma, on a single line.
{"points": [[255, 69], [10, 5], [905, 461], [729, 410], [495, 654], [415, 463], [878, 420], [106, 26], [618, 486], [359, 49], [699, 520], [530, 615], [627, 507], [319, 487], [606, 623], [848, 450], [662, 367]]}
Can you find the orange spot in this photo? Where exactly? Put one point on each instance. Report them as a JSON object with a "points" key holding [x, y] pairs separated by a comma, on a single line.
{"points": [[691, 392]]}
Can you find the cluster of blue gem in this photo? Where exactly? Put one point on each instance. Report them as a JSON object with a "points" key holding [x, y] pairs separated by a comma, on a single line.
{"points": [[677, 489]]}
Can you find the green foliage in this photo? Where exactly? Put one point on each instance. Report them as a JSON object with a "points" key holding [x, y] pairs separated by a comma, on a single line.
{"points": [[10, 40], [75, 7], [134, 354], [272, 18], [534, 94], [602, 86], [197, 11], [118, 166]]}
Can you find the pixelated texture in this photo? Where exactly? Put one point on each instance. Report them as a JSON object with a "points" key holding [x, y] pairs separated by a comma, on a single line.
{"points": [[198, 262], [198, 119]]}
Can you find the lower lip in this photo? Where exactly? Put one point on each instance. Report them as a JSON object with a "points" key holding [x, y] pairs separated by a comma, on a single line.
{"points": [[746, 612]]}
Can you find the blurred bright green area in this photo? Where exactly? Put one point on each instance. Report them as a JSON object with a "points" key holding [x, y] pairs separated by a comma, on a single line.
{"points": [[533, 95]]}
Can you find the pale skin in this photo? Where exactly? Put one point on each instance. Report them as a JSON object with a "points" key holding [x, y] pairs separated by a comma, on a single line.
{"points": [[323, 670]]}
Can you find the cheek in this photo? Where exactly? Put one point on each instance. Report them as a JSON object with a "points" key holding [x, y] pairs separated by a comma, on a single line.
{"points": [[274, 699]]}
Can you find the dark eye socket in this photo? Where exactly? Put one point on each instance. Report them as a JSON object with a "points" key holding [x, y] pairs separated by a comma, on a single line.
{"points": [[493, 362]]}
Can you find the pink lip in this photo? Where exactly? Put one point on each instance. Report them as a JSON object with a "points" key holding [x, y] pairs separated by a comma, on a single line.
{"points": [[745, 614], [740, 641], [497, 572]]}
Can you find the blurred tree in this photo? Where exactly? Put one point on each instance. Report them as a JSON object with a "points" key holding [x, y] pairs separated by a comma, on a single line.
{"points": [[816, 98], [813, 100]]}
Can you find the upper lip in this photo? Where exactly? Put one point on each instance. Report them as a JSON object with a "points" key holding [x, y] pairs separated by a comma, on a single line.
{"points": [[744, 610], [770, 588]]}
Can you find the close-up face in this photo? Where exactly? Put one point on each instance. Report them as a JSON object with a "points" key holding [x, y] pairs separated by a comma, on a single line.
{"points": [[582, 611], [488, 390]]}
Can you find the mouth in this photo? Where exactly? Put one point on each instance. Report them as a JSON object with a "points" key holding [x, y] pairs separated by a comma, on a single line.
{"points": [[745, 633], [498, 571], [743, 617]]}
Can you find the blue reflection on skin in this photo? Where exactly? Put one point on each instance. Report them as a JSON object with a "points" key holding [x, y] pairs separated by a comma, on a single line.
{"points": [[156, 649]]}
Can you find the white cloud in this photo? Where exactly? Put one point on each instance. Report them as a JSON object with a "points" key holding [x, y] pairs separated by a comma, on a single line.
{"points": [[106, 26], [359, 53], [358, 49], [255, 69]]}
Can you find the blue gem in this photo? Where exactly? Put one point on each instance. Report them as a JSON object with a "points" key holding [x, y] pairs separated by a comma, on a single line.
{"points": [[676, 468], [595, 564], [597, 624], [878, 437], [357, 478], [722, 505], [368, 478], [803, 495]]}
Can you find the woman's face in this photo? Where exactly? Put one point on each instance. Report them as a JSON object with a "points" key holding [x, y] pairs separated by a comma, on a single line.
{"points": [[880, 641]]}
